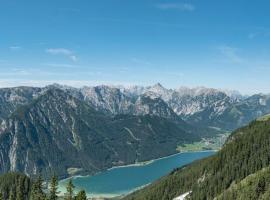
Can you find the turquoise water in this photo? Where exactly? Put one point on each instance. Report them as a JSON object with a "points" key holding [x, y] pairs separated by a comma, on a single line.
{"points": [[122, 180]]}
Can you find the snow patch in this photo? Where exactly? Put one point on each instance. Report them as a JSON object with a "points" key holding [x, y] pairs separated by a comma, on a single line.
{"points": [[183, 196]]}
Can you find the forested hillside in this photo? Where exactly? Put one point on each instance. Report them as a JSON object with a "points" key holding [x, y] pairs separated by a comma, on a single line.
{"points": [[255, 186], [17, 186], [246, 152]]}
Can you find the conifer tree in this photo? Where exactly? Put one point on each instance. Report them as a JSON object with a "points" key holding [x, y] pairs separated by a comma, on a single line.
{"points": [[70, 189], [20, 190], [260, 186], [53, 188], [37, 190], [81, 195], [1, 196]]}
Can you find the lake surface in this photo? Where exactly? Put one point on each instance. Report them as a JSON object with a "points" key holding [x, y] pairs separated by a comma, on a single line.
{"points": [[122, 180]]}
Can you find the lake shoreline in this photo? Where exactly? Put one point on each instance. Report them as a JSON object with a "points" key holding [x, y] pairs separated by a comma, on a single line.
{"points": [[139, 164], [143, 163], [153, 160]]}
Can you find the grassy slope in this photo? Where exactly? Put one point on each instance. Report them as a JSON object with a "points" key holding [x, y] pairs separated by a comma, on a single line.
{"points": [[213, 143]]}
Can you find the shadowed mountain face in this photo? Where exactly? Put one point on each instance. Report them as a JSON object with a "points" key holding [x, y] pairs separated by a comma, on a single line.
{"points": [[58, 132]]}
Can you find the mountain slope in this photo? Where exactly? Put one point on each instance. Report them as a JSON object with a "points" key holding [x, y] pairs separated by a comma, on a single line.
{"points": [[234, 115], [246, 152], [108, 99], [155, 107], [58, 132], [11, 98], [202, 107]]}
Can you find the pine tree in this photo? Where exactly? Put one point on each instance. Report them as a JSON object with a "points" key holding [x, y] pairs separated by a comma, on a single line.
{"points": [[37, 190], [260, 186], [53, 188], [81, 195], [70, 188], [20, 190]]}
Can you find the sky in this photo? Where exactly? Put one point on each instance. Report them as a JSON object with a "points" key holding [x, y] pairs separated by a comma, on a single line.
{"points": [[219, 44]]}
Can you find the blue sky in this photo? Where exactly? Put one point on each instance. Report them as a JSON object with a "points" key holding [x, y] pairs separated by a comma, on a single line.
{"points": [[219, 44]]}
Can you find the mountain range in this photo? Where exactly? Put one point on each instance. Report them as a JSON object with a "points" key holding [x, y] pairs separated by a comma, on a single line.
{"points": [[65, 130], [58, 133], [226, 110]]}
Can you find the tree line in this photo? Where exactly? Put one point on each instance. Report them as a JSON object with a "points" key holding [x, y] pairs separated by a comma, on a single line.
{"points": [[16, 186]]}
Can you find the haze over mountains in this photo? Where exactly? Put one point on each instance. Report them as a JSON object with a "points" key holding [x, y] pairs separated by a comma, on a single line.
{"points": [[211, 107], [66, 130]]}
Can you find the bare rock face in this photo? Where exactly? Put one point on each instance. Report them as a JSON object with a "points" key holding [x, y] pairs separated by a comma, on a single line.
{"points": [[11, 98], [199, 106], [108, 99], [57, 132]]}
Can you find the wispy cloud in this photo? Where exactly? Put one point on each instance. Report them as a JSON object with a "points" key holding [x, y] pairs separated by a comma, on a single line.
{"points": [[64, 52], [15, 48], [59, 65], [140, 61], [15, 72], [73, 58], [74, 83], [252, 35], [231, 54], [3, 61], [176, 74], [22, 72], [258, 34], [262, 64], [176, 6], [137, 22]]}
